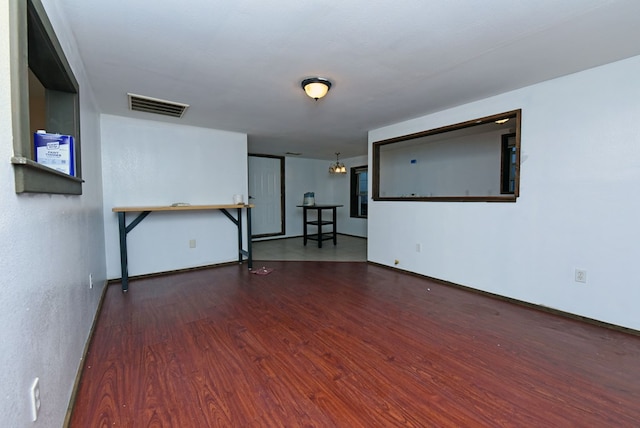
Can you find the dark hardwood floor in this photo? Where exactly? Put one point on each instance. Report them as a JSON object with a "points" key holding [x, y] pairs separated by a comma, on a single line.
{"points": [[321, 344]]}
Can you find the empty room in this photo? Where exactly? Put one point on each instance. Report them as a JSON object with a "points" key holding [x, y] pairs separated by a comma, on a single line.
{"points": [[320, 214]]}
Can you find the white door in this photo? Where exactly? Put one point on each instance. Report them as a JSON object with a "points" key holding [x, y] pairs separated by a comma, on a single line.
{"points": [[267, 194]]}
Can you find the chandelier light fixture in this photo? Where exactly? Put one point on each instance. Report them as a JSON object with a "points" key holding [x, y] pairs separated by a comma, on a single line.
{"points": [[316, 87], [337, 168]]}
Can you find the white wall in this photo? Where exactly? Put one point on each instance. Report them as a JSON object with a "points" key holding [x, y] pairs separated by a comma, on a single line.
{"points": [[50, 244], [446, 167], [578, 205], [149, 163], [312, 175]]}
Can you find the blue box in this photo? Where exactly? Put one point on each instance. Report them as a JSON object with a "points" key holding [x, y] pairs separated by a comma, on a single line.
{"points": [[55, 151]]}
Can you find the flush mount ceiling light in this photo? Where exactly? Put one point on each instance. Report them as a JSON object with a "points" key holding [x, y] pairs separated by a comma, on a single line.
{"points": [[337, 168], [316, 87]]}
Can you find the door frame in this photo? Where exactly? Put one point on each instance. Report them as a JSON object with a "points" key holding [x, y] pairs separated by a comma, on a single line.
{"points": [[282, 195]]}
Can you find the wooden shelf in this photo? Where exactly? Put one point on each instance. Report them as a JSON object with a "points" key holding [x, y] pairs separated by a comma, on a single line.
{"points": [[179, 208]]}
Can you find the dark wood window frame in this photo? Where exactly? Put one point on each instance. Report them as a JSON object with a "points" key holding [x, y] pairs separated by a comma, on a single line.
{"points": [[516, 115], [354, 198], [34, 46]]}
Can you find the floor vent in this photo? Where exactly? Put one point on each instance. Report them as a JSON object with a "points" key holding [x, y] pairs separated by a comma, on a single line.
{"points": [[155, 105]]}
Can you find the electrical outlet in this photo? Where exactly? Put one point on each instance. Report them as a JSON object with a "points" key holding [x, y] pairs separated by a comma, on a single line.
{"points": [[418, 248], [35, 399], [192, 243], [581, 275], [90, 281]]}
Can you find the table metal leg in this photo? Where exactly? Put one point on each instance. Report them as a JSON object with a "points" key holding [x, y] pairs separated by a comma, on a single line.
{"points": [[335, 227], [304, 225], [124, 270], [124, 230], [249, 248], [239, 224], [319, 228]]}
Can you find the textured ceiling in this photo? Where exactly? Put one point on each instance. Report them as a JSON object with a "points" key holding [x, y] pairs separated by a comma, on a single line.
{"points": [[239, 63]]}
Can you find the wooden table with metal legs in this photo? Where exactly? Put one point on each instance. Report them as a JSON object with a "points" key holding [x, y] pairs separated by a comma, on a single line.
{"points": [[124, 229]]}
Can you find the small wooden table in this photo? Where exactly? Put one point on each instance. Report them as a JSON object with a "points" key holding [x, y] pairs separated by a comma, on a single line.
{"points": [[319, 236], [124, 229]]}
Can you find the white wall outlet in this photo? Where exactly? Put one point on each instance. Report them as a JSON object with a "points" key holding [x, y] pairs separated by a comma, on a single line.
{"points": [[35, 399], [418, 248], [90, 281], [192, 243], [581, 275]]}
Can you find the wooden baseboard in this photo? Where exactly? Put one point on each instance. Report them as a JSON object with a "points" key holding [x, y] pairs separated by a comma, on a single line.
{"points": [[171, 272], [276, 238], [300, 236], [519, 302], [76, 383], [352, 236]]}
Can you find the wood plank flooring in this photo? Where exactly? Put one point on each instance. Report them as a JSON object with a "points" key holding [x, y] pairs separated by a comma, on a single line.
{"points": [[321, 344]]}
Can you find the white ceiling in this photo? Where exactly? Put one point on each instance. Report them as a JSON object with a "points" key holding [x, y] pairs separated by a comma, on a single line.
{"points": [[239, 63]]}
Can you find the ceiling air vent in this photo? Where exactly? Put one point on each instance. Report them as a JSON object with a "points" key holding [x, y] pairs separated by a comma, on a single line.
{"points": [[155, 105]]}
